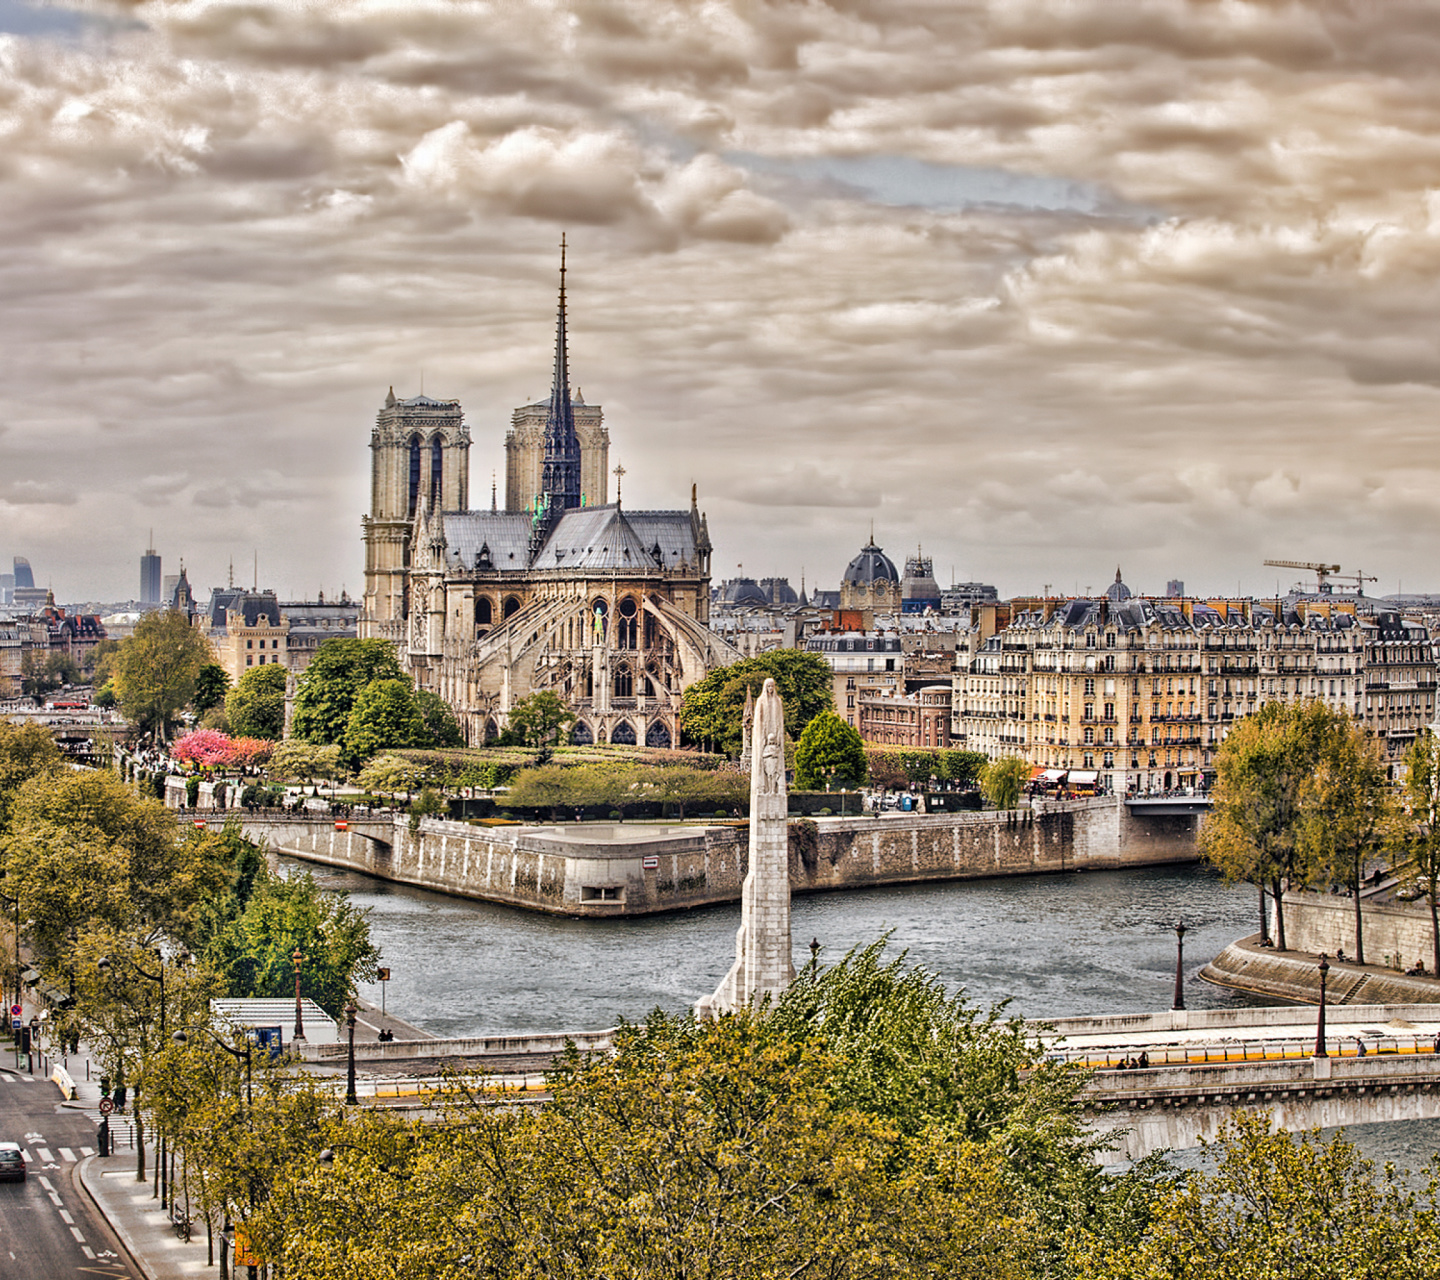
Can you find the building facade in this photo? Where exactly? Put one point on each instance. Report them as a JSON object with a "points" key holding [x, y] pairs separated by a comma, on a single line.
{"points": [[603, 606]]}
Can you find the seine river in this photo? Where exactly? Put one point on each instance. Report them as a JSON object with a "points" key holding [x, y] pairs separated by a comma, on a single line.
{"points": [[1051, 945]]}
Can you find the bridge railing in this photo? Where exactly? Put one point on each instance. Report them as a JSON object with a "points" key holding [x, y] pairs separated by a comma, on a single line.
{"points": [[1130, 1057]]}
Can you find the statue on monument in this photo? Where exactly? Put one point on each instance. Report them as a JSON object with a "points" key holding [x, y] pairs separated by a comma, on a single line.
{"points": [[763, 966]]}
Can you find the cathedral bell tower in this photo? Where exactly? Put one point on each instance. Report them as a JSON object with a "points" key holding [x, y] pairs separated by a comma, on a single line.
{"points": [[419, 458]]}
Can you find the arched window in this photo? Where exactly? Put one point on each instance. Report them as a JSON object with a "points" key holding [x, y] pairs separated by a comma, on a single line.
{"points": [[484, 611], [623, 734], [626, 630], [437, 473], [599, 613], [491, 732], [512, 606], [580, 735], [624, 683], [657, 735], [414, 476]]}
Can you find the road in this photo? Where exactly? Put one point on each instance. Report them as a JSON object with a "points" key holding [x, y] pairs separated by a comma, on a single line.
{"points": [[49, 1230]]}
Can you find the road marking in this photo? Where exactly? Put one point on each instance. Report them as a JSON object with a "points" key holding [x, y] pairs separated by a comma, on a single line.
{"points": [[25, 1154], [55, 1200], [45, 1182], [88, 1252], [68, 1155], [87, 1151], [45, 1154], [66, 1218], [74, 1231]]}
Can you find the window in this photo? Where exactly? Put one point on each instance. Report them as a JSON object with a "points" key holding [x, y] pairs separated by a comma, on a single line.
{"points": [[414, 475], [249, 644], [1089, 687], [250, 661], [1089, 736]]}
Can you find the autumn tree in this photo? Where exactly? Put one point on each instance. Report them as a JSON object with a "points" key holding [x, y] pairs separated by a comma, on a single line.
{"points": [[155, 669], [829, 754], [1417, 847], [1003, 779]]}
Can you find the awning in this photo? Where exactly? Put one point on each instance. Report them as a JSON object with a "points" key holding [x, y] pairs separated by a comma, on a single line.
{"points": [[1053, 775], [1084, 777], [1036, 773]]}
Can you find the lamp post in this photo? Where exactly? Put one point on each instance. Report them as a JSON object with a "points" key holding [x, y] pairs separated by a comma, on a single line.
{"points": [[1180, 932], [105, 966], [1320, 1017], [298, 960], [180, 1037], [350, 1098]]}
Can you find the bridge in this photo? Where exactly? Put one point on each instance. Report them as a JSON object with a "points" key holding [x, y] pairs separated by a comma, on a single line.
{"points": [[1171, 1080], [1167, 806]]}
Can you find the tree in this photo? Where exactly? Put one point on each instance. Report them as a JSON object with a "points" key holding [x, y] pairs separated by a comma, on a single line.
{"points": [[830, 754], [253, 952], [539, 720], [1278, 1205], [441, 727], [713, 709], [1417, 861], [326, 692], [42, 673], [255, 707], [204, 748], [26, 751], [296, 761], [212, 683], [100, 661], [1347, 810], [384, 715], [1261, 771], [387, 773], [1002, 780], [156, 669]]}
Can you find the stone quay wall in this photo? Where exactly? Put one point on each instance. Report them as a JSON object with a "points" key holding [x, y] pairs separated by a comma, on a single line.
{"points": [[636, 869], [1397, 934]]}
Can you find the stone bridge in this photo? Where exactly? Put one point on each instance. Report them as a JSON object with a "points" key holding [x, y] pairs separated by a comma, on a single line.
{"points": [[1206, 1065]]}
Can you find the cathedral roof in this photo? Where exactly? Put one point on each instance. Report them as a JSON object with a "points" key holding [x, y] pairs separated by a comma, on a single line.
{"points": [[871, 565], [504, 534], [594, 538]]}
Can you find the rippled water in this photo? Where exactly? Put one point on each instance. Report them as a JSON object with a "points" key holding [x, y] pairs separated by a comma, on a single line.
{"points": [[1054, 945]]}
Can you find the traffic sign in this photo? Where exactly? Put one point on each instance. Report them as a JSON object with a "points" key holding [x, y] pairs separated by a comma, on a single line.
{"points": [[16, 1010], [106, 1106], [15, 1024]]}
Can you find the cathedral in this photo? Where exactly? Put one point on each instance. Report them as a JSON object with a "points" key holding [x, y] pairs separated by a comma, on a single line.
{"points": [[560, 590]]}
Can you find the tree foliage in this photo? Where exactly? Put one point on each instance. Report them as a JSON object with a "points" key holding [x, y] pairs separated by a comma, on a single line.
{"points": [[212, 683], [328, 688], [255, 707], [1003, 779], [830, 755], [384, 715], [297, 761], [156, 669], [44, 672], [1417, 846], [441, 727], [713, 710], [539, 720]]}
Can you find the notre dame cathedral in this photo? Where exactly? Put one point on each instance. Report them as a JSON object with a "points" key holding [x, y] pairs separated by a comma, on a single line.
{"points": [[561, 589]]}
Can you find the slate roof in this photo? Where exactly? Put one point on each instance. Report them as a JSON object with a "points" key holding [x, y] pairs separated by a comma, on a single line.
{"points": [[505, 534]]}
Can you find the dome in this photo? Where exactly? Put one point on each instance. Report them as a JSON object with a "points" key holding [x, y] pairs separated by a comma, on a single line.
{"points": [[1117, 590], [871, 565], [743, 591]]}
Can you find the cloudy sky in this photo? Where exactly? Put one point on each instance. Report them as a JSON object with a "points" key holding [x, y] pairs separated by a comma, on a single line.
{"points": [[1043, 285]]}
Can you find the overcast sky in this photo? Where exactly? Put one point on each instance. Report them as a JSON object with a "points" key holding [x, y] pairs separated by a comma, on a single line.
{"points": [[1043, 285]]}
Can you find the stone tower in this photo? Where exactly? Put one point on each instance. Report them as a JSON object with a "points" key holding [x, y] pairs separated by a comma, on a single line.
{"points": [[419, 458], [763, 965]]}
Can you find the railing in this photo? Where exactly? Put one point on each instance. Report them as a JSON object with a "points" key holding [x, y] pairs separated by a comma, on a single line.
{"points": [[1348, 1046]]}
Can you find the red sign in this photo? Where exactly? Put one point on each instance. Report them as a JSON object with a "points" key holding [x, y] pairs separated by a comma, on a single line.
{"points": [[652, 863], [106, 1106], [342, 826], [199, 822]]}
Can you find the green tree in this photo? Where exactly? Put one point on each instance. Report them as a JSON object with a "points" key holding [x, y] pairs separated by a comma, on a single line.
{"points": [[296, 761], [255, 707], [389, 773], [441, 727], [1278, 1205], [42, 673], [830, 754], [1002, 780], [156, 669], [100, 660], [384, 715], [327, 690], [539, 720], [212, 683], [713, 710], [1417, 848], [1348, 815], [252, 954], [1261, 772], [26, 751]]}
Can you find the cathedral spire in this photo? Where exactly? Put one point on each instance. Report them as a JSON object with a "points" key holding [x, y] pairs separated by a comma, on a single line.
{"points": [[560, 474]]}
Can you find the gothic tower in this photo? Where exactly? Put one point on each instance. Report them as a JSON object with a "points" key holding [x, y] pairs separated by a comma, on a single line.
{"points": [[560, 472], [419, 458]]}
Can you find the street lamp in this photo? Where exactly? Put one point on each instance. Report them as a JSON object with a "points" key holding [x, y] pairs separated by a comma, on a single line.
{"points": [[180, 1037], [298, 960], [105, 966], [1320, 1018], [350, 1098], [1180, 932]]}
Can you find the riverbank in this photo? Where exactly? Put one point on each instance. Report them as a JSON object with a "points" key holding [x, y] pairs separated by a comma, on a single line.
{"points": [[1295, 976]]}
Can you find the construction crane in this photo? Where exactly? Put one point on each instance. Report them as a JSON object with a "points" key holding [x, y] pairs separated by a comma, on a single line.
{"points": [[1324, 573]]}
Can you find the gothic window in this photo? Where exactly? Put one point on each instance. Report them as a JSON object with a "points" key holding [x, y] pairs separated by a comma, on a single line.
{"points": [[437, 473], [623, 734], [414, 476], [624, 683], [484, 611], [580, 735], [626, 628], [491, 732], [657, 735], [512, 606]]}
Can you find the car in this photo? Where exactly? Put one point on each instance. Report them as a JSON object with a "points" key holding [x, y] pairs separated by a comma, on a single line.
{"points": [[12, 1162]]}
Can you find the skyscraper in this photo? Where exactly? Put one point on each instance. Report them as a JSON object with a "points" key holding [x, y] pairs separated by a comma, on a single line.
{"points": [[150, 576], [23, 576]]}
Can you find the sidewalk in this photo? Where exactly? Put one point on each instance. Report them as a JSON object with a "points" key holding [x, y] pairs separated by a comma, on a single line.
{"points": [[141, 1224]]}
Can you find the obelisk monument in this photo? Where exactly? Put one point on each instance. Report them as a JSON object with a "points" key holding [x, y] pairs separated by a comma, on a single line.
{"points": [[762, 945]]}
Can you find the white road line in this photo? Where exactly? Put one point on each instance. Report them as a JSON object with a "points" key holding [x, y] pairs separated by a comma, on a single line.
{"points": [[68, 1155], [87, 1151], [45, 1182], [88, 1252], [75, 1231], [55, 1200], [45, 1154], [66, 1218], [26, 1154]]}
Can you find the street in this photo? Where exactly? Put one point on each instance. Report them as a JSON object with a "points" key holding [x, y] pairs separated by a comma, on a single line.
{"points": [[48, 1228]]}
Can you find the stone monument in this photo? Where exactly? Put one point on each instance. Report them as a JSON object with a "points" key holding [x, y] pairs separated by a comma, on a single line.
{"points": [[762, 945]]}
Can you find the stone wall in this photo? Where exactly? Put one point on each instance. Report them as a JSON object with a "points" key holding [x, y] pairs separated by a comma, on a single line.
{"points": [[603, 870], [1396, 934]]}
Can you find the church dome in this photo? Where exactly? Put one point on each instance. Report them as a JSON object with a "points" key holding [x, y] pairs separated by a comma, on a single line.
{"points": [[743, 591], [1117, 590], [871, 565]]}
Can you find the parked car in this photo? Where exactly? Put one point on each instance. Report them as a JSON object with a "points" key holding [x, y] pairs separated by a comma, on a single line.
{"points": [[12, 1162]]}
